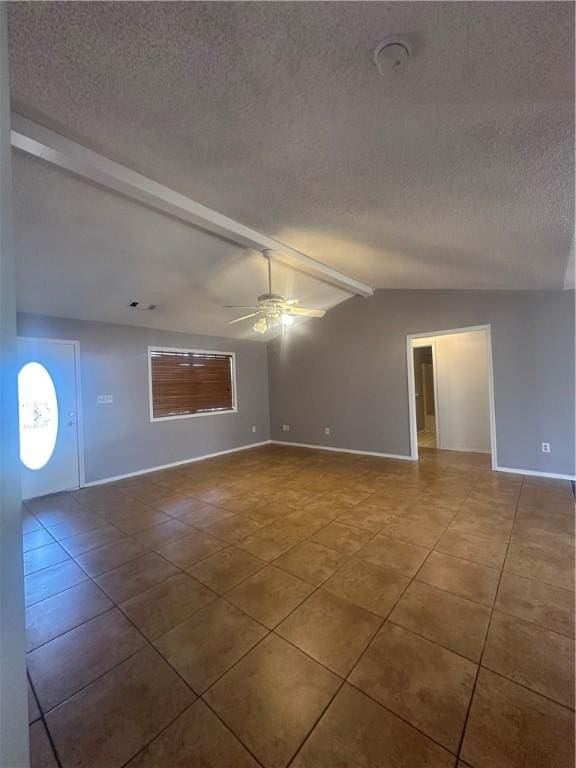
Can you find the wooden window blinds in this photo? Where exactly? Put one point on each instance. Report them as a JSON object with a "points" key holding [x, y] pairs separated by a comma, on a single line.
{"points": [[185, 382]]}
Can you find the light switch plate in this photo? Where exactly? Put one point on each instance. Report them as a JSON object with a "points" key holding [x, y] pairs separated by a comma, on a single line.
{"points": [[105, 399]]}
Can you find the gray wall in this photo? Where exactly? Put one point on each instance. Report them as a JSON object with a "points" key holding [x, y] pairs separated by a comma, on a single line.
{"points": [[13, 692], [348, 371], [119, 438]]}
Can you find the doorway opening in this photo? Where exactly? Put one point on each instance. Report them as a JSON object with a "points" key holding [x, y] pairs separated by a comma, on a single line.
{"points": [[425, 393], [451, 395]]}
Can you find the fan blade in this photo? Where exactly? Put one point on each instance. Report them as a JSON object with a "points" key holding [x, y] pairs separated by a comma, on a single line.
{"points": [[237, 306], [239, 319], [301, 312], [292, 302]]}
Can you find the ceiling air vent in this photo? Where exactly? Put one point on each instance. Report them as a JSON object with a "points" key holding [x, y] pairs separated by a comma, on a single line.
{"points": [[141, 307]]}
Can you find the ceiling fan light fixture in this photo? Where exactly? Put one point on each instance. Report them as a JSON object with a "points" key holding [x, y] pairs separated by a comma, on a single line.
{"points": [[273, 311]]}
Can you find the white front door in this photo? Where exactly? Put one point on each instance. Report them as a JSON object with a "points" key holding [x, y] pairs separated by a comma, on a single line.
{"points": [[48, 413]]}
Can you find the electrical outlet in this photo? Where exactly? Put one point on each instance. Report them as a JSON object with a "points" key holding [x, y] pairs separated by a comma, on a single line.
{"points": [[285, 427], [253, 428], [326, 430], [545, 447]]}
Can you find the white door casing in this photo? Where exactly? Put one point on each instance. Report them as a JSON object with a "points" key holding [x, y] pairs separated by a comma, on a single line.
{"points": [[424, 339]]}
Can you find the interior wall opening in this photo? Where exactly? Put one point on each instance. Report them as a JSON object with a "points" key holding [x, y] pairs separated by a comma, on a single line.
{"points": [[451, 400], [424, 384]]}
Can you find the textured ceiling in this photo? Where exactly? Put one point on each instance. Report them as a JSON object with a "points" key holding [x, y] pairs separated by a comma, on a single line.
{"points": [[455, 173], [85, 253]]}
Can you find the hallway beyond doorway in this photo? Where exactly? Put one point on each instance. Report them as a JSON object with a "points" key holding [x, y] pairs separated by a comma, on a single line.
{"points": [[427, 438]]}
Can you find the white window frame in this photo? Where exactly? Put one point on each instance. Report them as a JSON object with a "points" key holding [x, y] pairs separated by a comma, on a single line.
{"points": [[159, 348]]}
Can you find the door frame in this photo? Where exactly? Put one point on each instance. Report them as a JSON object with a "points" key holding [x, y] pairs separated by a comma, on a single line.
{"points": [[79, 401], [410, 339]]}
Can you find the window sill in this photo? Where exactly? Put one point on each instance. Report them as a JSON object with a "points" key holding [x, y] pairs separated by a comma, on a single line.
{"points": [[192, 415]]}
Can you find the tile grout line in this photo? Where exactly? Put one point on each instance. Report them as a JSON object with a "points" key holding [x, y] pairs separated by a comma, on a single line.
{"points": [[199, 697], [151, 551], [477, 664], [149, 643], [300, 747], [268, 633], [475, 684], [265, 563], [346, 679], [42, 719], [117, 605], [532, 623], [393, 623], [235, 735]]}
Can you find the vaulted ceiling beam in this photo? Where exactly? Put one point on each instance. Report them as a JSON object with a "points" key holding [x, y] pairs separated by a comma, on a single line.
{"points": [[34, 139]]}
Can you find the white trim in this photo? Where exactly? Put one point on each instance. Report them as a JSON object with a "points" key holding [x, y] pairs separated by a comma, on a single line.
{"points": [[79, 413], [79, 401], [535, 473], [436, 398], [410, 338], [491, 402], [343, 450], [412, 399], [448, 332], [160, 467], [36, 140], [158, 348]]}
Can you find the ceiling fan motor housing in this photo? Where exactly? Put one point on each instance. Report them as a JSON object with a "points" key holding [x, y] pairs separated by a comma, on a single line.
{"points": [[271, 299]]}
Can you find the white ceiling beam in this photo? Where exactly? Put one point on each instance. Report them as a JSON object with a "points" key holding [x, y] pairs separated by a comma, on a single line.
{"points": [[34, 139]]}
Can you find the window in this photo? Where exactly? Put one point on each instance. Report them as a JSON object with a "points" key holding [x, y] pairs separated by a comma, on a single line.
{"points": [[190, 382], [38, 415]]}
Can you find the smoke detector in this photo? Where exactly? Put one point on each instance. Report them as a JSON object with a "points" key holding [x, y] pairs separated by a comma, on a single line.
{"points": [[392, 54]]}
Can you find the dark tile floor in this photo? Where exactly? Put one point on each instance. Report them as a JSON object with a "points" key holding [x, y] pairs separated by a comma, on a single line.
{"points": [[285, 606]]}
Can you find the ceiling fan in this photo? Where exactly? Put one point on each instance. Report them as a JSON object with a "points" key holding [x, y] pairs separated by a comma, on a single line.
{"points": [[274, 310]]}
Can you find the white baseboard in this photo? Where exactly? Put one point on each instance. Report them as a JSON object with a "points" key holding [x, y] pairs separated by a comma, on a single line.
{"points": [[344, 450], [158, 468], [535, 473], [465, 450], [531, 472], [148, 470]]}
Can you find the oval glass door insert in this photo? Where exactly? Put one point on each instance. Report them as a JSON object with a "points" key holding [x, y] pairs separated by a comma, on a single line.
{"points": [[38, 412]]}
